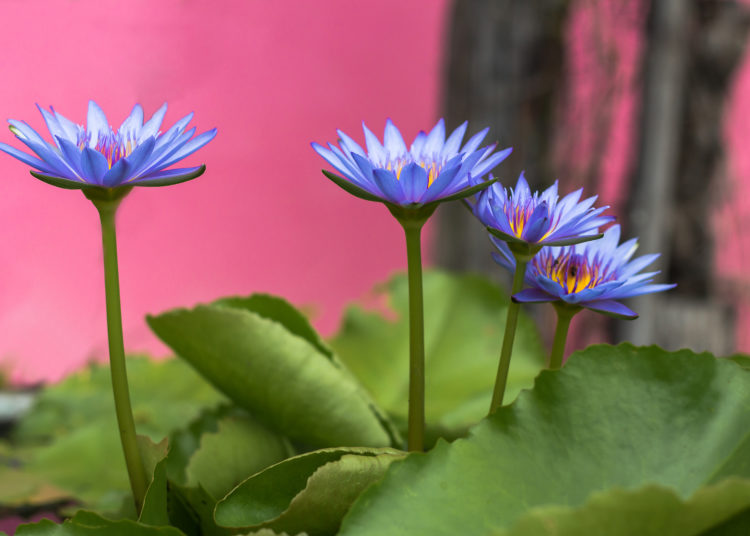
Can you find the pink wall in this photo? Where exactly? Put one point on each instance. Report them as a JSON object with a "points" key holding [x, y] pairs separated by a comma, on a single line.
{"points": [[272, 76]]}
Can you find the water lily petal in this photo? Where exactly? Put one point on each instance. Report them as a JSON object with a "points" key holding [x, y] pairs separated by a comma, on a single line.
{"points": [[612, 308], [453, 143], [475, 140], [94, 165], [435, 139], [389, 185], [438, 186], [532, 295], [433, 169], [72, 155], [53, 125], [375, 151], [413, 181], [26, 158], [151, 127], [117, 175], [133, 123], [349, 145], [393, 141], [96, 123]]}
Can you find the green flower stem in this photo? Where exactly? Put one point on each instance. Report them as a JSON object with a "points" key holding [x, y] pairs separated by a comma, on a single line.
{"points": [[107, 208], [412, 219], [565, 314], [510, 334], [416, 335]]}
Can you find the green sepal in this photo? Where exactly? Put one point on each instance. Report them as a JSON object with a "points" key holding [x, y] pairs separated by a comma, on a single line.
{"points": [[351, 187], [192, 511], [418, 211], [563, 308], [518, 246], [505, 237], [68, 184], [106, 198], [168, 181], [576, 240], [510, 239], [414, 215]]}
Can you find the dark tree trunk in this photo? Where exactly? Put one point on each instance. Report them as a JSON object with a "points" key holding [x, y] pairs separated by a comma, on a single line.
{"points": [[693, 50], [504, 69]]}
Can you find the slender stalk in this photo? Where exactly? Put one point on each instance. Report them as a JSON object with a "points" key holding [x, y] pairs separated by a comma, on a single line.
{"points": [[125, 422], [564, 316], [510, 334], [413, 230]]}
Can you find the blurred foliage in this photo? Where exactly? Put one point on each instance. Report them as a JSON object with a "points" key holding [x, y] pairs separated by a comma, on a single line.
{"points": [[618, 430], [68, 444], [464, 325], [270, 368]]}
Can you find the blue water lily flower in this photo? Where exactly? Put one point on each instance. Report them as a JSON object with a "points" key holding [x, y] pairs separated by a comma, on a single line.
{"points": [[521, 217], [97, 156], [593, 275], [432, 170]]}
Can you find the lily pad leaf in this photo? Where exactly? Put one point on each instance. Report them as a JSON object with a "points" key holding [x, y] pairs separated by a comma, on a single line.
{"points": [[464, 323], [153, 455], [185, 441], [613, 417], [91, 524], [192, 511], [278, 376], [648, 511], [309, 493], [741, 359], [217, 450], [240, 447], [278, 309]]}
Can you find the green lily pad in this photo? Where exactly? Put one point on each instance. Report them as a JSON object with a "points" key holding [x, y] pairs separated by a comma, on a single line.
{"points": [[309, 493], [464, 326], [741, 359], [214, 452], [154, 455], [192, 511], [89, 524], [648, 511], [239, 448], [613, 417], [261, 359]]}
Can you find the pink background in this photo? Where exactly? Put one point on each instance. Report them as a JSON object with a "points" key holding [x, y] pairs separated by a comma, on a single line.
{"points": [[272, 77]]}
